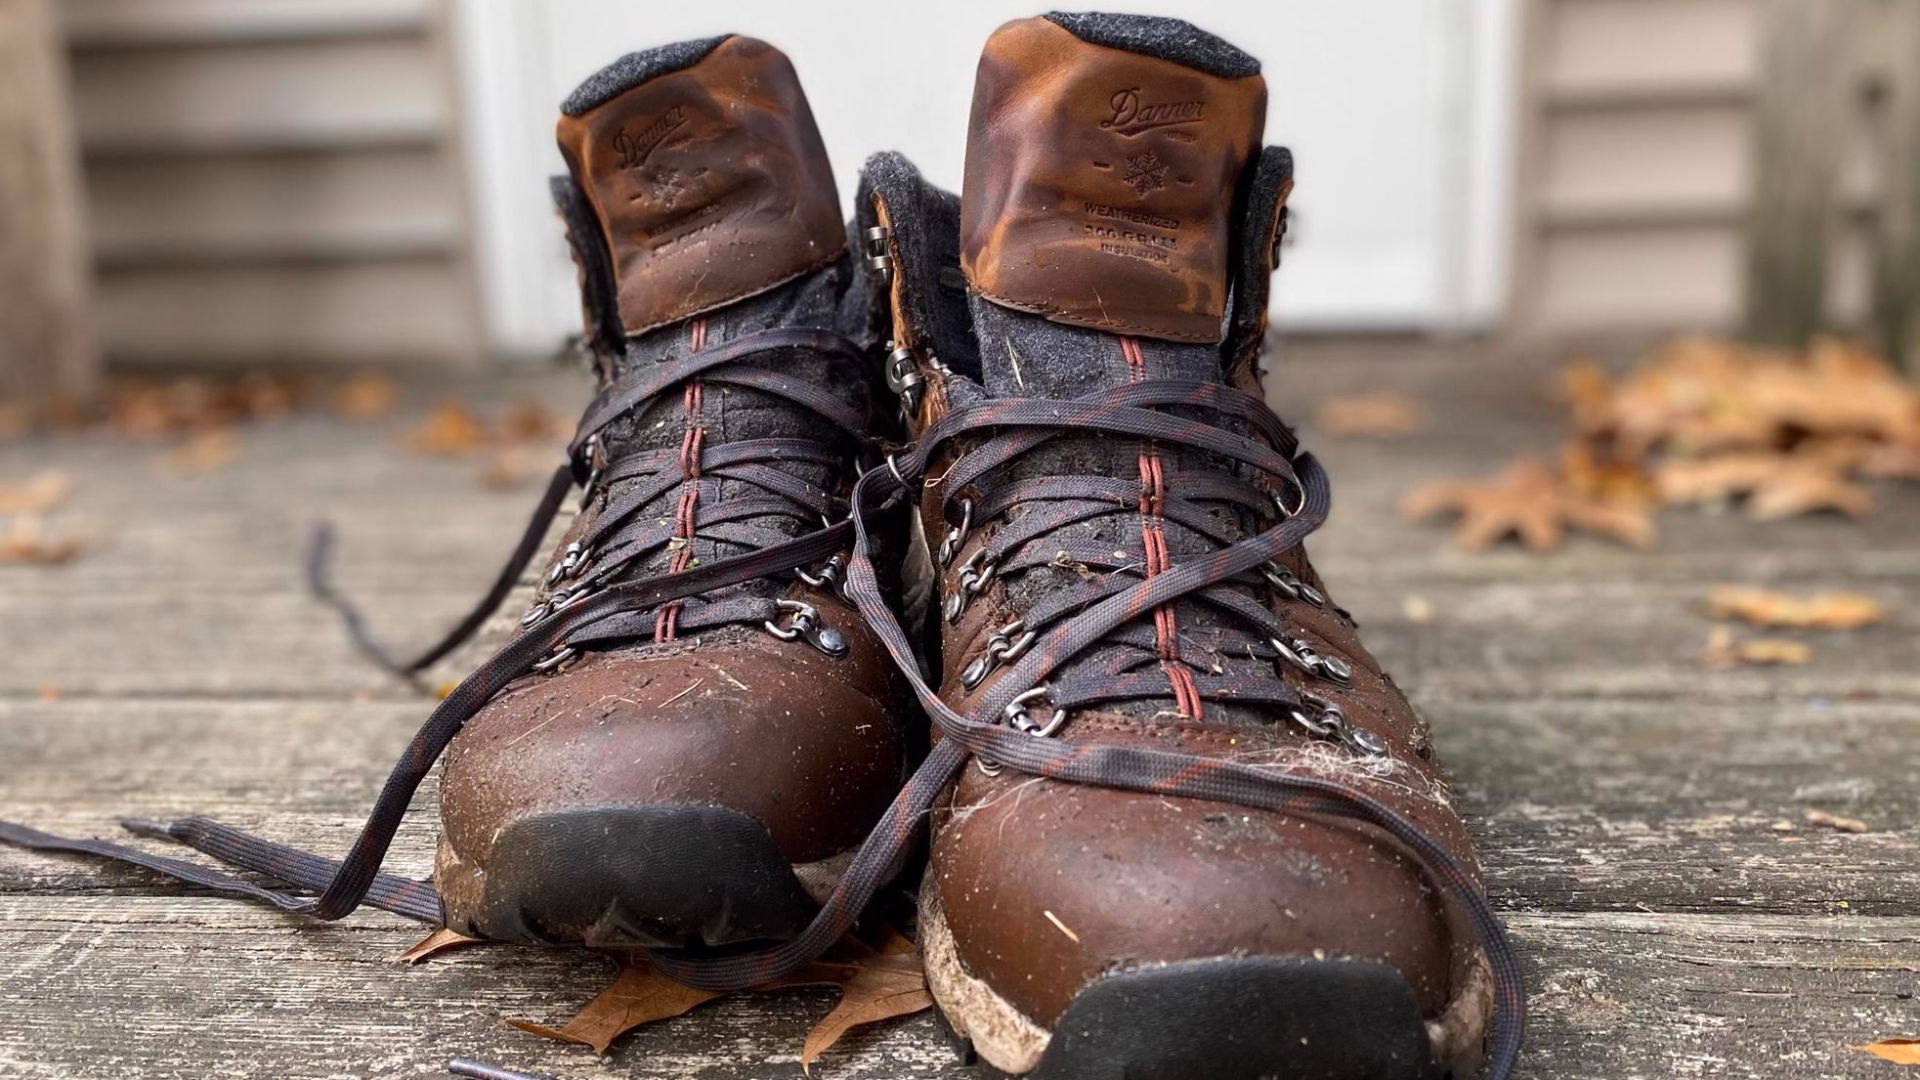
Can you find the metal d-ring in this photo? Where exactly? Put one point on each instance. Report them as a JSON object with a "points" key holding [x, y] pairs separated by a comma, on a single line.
{"points": [[806, 623], [1288, 584], [596, 468], [1019, 719], [950, 546], [975, 573], [1329, 721], [1004, 646], [875, 249], [1305, 658]]}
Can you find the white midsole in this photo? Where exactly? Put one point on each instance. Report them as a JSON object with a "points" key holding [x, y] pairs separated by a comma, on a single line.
{"points": [[1002, 1035]]}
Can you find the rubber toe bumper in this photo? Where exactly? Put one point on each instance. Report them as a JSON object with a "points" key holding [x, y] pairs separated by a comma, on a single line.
{"points": [[648, 876], [1241, 1019]]}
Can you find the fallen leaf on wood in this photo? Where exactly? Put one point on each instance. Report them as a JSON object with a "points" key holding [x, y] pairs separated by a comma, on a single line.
{"points": [[41, 493], [365, 397], [530, 421], [1835, 821], [638, 997], [881, 985], [1380, 416], [877, 982], [1529, 500], [29, 542], [507, 467], [449, 430], [1605, 478], [439, 941], [209, 451], [1898, 1051], [1891, 461], [1724, 651], [1585, 387], [1776, 485], [1823, 611]]}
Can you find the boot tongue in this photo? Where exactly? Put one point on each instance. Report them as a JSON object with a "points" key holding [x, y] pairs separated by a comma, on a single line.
{"points": [[706, 175], [1103, 162]]}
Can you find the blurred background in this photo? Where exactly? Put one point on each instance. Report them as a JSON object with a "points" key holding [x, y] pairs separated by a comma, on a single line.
{"points": [[295, 183]]}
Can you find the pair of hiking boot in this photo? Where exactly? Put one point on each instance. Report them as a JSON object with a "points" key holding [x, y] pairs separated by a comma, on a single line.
{"points": [[1181, 822]]}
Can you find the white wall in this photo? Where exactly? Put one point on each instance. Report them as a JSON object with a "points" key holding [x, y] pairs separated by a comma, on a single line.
{"points": [[1395, 109]]}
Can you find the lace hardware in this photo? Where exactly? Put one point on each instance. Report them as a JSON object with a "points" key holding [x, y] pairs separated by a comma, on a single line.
{"points": [[875, 249], [596, 454], [975, 574], [903, 377], [1303, 657], [557, 661], [1019, 719], [569, 563], [950, 546], [831, 577], [1329, 721], [1003, 647], [806, 623], [1288, 585], [1299, 503]]}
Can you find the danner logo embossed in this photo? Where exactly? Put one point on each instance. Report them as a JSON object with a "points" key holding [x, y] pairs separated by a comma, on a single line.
{"points": [[1133, 115], [634, 149]]}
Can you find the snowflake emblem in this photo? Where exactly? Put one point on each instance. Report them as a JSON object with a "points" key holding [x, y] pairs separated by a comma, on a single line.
{"points": [[667, 186], [1146, 172]]}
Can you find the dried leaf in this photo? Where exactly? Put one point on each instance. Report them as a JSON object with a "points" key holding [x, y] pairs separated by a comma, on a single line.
{"points": [[44, 491], [439, 941], [1723, 650], [530, 421], [1892, 461], [449, 430], [1380, 416], [1529, 500], [880, 987], [209, 451], [877, 982], [1763, 607], [27, 541], [1898, 1051], [1836, 822], [365, 397], [638, 997], [507, 467], [1776, 485]]}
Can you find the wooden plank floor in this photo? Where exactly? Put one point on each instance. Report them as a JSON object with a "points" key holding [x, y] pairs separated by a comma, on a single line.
{"points": [[1623, 794]]}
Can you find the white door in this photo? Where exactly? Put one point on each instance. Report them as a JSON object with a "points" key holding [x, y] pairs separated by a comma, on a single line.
{"points": [[1397, 112]]}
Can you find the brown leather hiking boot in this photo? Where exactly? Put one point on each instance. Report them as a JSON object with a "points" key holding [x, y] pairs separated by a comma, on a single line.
{"points": [[1115, 517], [698, 772]]}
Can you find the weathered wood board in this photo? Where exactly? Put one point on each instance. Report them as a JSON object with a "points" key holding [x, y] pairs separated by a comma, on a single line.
{"points": [[1625, 797]]}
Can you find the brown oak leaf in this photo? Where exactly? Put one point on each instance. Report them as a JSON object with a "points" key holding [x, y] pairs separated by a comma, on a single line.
{"points": [[207, 451], [876, 982], [639, 996], [449, 430], [1724, 651], [1377, 416], [439, 941], [1836, 822], [1764, 607], [1529, 500], [28, 541], [1898, 1051], [1776, 485], [41, 493], [365, 397]]}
